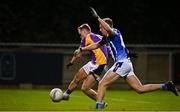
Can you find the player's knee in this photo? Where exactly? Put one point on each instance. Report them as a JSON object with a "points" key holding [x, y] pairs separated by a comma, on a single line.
{"points": [[139, 90], [84, 89], [102, 84]]}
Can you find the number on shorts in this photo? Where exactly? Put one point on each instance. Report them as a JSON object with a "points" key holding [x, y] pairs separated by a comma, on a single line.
{"points": [[118, 65]]}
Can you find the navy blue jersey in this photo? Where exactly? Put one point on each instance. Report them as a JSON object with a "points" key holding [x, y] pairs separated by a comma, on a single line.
{"points": [[116, 46]]}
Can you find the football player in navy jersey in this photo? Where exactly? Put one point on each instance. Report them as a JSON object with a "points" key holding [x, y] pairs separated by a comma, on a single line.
{"points": [[122, 67]]}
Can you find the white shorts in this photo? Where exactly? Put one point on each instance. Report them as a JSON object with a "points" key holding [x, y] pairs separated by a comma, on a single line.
{"points": [[93, 68], [124, 68]]}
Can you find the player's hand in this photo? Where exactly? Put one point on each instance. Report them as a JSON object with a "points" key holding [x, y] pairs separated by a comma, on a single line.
{"points": [[68, 65], [94, 13], [77, 51]]}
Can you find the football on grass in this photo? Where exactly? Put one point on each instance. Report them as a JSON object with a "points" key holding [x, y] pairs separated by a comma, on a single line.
{"points": [[56, 94]]}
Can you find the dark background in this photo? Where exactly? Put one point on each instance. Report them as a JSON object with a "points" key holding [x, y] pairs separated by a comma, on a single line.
{"points": [[31, 68], [56, 21]]}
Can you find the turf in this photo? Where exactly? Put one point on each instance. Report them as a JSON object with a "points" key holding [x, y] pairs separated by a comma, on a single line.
{"points": [[118, 100]]}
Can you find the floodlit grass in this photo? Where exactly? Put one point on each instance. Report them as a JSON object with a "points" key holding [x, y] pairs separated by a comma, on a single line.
{"points": [[118, 100]]}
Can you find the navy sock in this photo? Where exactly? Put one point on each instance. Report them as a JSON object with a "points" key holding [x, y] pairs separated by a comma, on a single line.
{"points": [[68, 91], [164, 86], [98, 105]]}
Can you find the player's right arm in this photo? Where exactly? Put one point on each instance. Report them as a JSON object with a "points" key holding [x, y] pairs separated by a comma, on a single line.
{"points": [[105, 26], [74, 59]]}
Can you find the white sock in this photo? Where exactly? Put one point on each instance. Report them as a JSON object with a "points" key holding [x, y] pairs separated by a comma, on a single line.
{"points": [[65, 94]]}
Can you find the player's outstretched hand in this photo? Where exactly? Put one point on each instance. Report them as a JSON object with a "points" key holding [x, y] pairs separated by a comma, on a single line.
{"points": [[94, 13], [68, 65], [77, 51]]}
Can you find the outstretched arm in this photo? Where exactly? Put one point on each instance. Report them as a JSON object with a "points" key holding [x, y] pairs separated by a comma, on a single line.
{"points": [[87, 48], [74, 59], [91, 47], [101, 21]]}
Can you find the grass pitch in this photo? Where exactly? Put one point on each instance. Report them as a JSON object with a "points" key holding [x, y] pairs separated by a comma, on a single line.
{"points": [[118, 100]]}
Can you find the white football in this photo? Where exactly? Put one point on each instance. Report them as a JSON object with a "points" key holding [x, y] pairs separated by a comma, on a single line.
{"points": [[56, 95]]}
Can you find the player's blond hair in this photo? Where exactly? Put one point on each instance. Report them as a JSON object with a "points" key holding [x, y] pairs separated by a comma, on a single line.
{"points": [[85, 26]]}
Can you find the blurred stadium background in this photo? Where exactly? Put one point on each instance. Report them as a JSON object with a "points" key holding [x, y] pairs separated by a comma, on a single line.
{"points": [[38, 37]]}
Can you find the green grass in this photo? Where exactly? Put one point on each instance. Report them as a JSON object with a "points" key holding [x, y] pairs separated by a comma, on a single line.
{"points": [[118, 100]]}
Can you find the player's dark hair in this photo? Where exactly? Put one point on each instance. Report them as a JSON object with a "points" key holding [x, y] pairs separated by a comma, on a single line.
{"points": [[109, 21], [85, 26]]}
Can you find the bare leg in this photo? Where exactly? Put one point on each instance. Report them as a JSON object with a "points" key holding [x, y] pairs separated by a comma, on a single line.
{"points": [[88, 83], [80, 76], [108, 78], [134, 82]]}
